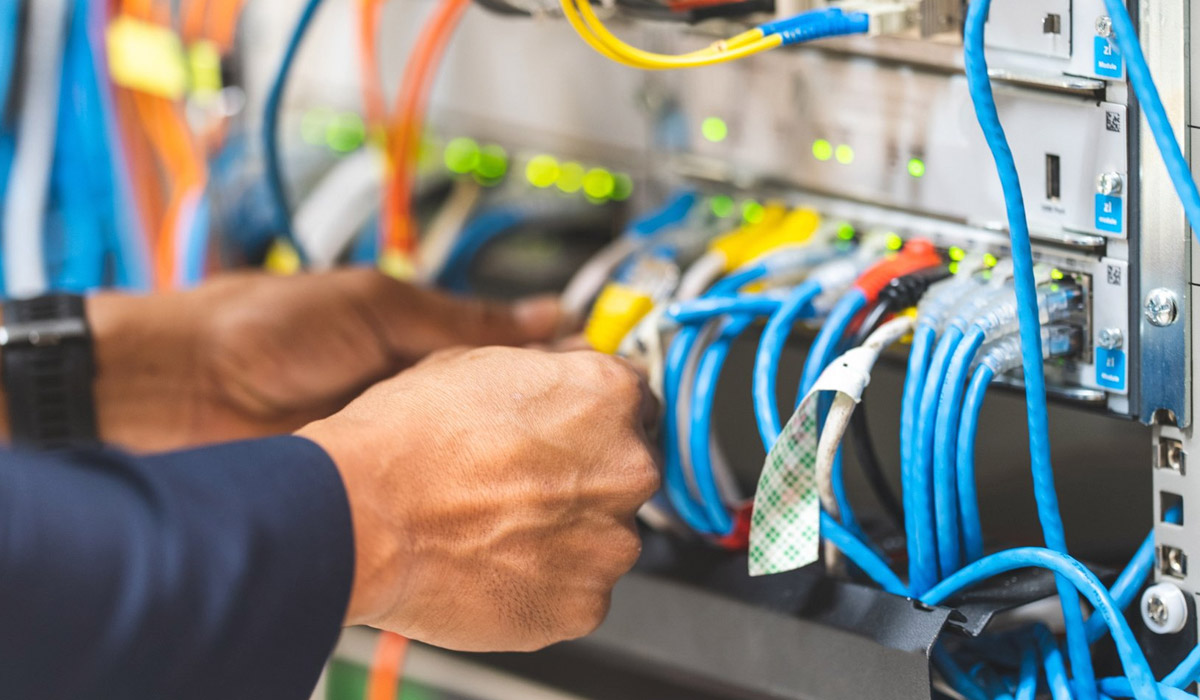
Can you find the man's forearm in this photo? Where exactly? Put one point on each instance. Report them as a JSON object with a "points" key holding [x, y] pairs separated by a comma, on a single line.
{"points": [[222, 572]]}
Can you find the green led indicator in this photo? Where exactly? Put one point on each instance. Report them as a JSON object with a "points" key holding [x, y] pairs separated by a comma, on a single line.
{"points": [[622, 187], [722, 206], [461, 155], [714, 129], [753, 212], [492, 165], [916, 167], [957, 254], [990, 260], [542, 171], [599, 184], [822, 150], [345, 132], [844, 154], [570, 177], [954, 268], [894, 242], [1056, 274], [846, 232]]}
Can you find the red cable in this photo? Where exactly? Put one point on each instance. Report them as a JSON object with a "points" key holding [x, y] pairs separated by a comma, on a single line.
{"points": [[387, 667]]}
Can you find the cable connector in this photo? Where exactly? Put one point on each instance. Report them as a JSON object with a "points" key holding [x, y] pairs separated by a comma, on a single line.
{"points": [[818, 24], [903, 292], [886, 17], [917, 254], [1055, 303], [1004, 355]]}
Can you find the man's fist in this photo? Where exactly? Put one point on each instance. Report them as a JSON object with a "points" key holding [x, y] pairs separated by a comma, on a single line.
{"points": [[493, 493]]}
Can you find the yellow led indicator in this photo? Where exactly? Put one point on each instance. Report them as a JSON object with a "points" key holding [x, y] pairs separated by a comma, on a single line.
{"points": [[1056, 274], [822, 150], [953, 268], [916, 167], [722, 206], [492, 165], [570, 177], [957, 254], [844, 154], [990, 260], [714, 129], [542, 171], [894, 242], [461, 155], [599, 184], [753, 212], [846, 232], [622, 187]]}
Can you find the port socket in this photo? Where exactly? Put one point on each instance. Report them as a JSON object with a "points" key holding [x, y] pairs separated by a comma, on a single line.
{"points": [[1053, 177], [1169, 455], [1172, 562]]}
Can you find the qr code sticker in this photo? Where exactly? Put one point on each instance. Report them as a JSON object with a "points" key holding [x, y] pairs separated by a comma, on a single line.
{"points": [[1112, 120], [1114, 275]]}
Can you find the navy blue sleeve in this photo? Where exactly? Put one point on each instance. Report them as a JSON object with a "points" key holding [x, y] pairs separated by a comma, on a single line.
{"points": [[223, 572]]}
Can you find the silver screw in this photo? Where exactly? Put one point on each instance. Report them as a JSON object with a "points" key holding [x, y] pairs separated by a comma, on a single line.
{"points": [[1104, 26], [1110, 338], [1156, 609], [1161, 307], [1110, 184]]}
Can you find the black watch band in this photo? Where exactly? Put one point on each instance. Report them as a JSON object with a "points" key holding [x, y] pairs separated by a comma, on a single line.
{"points": [[48, 370]]}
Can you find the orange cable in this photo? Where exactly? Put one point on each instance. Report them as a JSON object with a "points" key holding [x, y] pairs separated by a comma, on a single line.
{"points": [[387, 667], [399, 229]]}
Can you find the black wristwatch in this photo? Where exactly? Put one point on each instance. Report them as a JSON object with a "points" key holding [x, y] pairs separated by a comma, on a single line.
{"points": [[48, 371]]}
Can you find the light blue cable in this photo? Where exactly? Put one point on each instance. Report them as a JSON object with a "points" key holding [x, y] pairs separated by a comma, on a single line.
{"points": [[1074, 574], [766, 361], [921, 547], [1045, 494], [1027, 683], [708, 373], [1052, 662], [968, 499], [921, 453], [704, 309], [945, 478], [1120, 688], [270, 126], [958, 679], [1152, 108], [1187, 672], [862, 556]]}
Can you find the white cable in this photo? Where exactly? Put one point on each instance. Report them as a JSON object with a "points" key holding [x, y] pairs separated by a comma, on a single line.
{"points": [[339, 207], [29, 179], [701, 275], [445, 229]]}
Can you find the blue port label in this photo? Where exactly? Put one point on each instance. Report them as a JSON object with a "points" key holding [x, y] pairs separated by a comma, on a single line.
{"points": [[1110, 214], [1110, 369], [1108, 59]]}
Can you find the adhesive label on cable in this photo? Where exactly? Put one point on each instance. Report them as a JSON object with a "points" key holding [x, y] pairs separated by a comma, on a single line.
{"points": [[785, 529], [1108, 58], [147, 58]]}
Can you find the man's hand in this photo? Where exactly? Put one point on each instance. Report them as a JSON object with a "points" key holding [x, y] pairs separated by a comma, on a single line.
{"points": [[493, 495], [248, 355]]}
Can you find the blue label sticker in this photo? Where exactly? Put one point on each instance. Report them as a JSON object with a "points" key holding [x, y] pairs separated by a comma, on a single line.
{"points": [[1108, 59], [1110, 369], [1110, 213]]}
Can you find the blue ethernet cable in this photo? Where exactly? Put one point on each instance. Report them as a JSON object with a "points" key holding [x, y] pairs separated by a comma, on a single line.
{"points": [[954, 675], [477, 233], [918, 523], [707, 375], [1082, 580], [766, 361], [1052, 663], [770, 350], [270, 126], [921, 450], [1187, 672], [1154, 111], [705, 309], [674, 481], [1121, 688], [945, 479], [10, 44], [862, 556], [673, 212], [1027, 676], [1030, 330], [968, 499]]}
